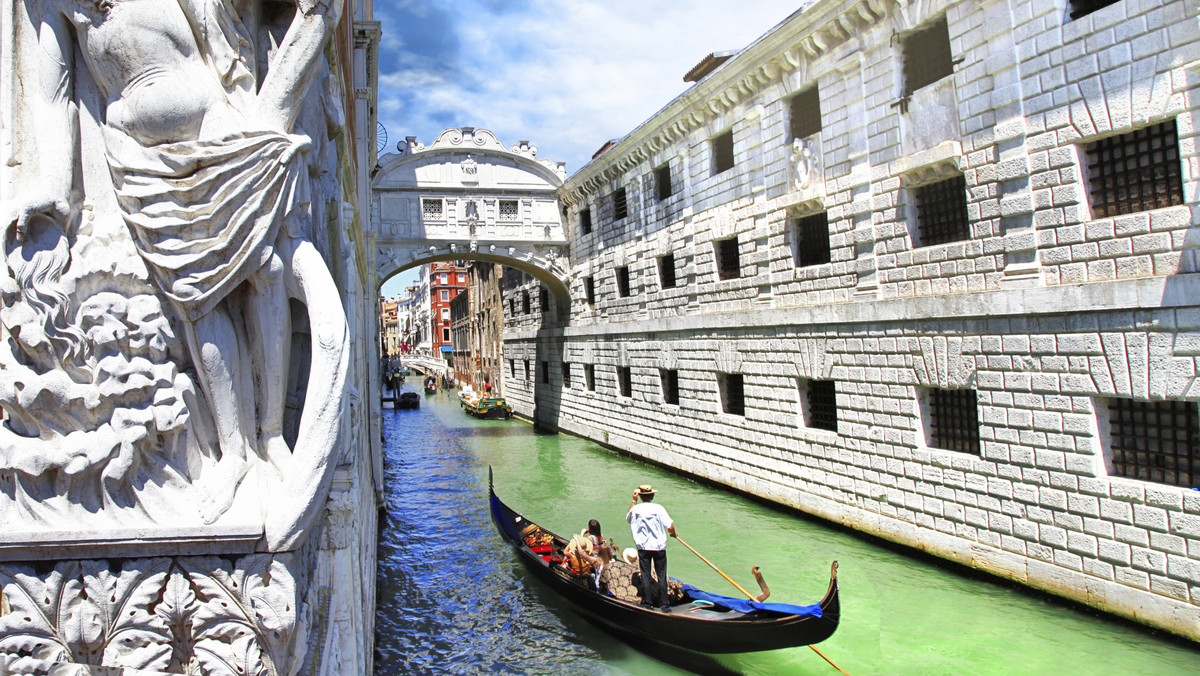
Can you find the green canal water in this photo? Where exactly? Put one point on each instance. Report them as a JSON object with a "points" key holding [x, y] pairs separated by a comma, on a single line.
{"points": [[454, 600]]}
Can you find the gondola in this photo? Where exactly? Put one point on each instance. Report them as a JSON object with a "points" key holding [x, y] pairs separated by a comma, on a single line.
{"points": [[702, 622]]}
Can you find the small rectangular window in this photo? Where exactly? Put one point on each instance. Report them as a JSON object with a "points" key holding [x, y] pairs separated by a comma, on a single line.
{"points": [[623, 281], [953, 420], [512, 306], [729, 261], [525, 302], [462, 278], [509, 210], [722, 152], [662, 182], [927, 56], [733, 398], [1136, 171], [544, 299], [545, 373], [585, 221], [1155, 441], [812, 240], [620, 204], [589, 290], [625, 380], [445, 295], [445, 314], [942, 212], [431, 208], [589, 376], [512, 367], [670, 385], [804, 113], [819, 404], [1084, 7], [666, 271], [526, 369], [445, 335], [566, 375]]}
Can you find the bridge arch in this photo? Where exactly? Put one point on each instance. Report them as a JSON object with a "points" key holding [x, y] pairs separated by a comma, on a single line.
{"points": [[468, 197]]}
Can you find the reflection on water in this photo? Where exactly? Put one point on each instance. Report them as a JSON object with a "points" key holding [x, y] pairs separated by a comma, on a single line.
{"points": [[452, 598]]}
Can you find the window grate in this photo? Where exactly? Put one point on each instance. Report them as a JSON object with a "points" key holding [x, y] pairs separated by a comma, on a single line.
{"points": [[729, 262], [927, 56], [812, 240], [1084, 7], [585, 221], [733, 395], [954, 420], [623, 282], [589, 376], [431, 208], [822, 405], [722, 152], [589, 290], [625, 380], [670, 385], [1136, 171], [942, 212], [620, 204], [662, 182], [666, 271], [508, 210], [566, 375], [804, 113], [1155, 441]]}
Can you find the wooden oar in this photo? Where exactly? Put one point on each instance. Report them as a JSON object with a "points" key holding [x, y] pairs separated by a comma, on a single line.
{"points": [[742, 589]]}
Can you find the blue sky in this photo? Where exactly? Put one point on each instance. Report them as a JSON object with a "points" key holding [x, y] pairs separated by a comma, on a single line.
{"points": [[566, 76]]}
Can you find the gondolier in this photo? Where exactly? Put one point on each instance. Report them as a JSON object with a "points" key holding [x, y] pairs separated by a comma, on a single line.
{"points": [[651, 525]]}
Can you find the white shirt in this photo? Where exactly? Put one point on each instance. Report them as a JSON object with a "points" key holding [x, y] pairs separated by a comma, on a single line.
{"points": [[649, 523]]}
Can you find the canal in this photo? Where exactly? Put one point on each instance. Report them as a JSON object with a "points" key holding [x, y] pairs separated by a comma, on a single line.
{"points": [[452, 598]]}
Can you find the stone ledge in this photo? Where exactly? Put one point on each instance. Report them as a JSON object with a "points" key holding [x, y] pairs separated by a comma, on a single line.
{"points": [[53, 545]]}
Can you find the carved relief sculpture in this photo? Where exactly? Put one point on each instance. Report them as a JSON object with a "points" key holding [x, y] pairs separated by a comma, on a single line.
{"points": [[157, 226]]}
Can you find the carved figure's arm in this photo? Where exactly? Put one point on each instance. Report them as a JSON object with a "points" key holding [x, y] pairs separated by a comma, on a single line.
{"points": [[54, 120], [294, 66]]}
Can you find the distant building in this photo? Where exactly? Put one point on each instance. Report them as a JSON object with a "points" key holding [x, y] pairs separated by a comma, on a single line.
{"points": [[446, 280]]}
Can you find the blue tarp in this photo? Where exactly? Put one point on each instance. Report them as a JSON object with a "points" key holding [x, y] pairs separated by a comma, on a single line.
{"points": [[447, 348], [746, 605]]}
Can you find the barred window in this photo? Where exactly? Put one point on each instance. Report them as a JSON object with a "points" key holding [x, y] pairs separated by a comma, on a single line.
{"points": [[623, 281], [620, 204], [1136, 171], [733, 398], [804, 113], [819, 404], [431, 208], [625, 380], [1155, 441], [545, 373], [927, 56], [589, 376], [1084, 7], [544, 299], [525, 302], [942, 212], [566, 375], [526, 369], [666, 271], [670, 385], [812, 240], [508, 210], [722, 152], [589, 290], [729, 262], [585, 221], [953, 420], [512, 367], [662, 182]]}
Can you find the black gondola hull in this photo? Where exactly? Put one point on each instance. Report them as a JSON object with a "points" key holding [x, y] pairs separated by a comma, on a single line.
{"points": [[761, 630]]}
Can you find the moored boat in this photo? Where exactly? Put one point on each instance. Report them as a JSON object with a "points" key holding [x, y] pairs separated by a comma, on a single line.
{"points": [[700, 621], [408, 400], [488, 408]]}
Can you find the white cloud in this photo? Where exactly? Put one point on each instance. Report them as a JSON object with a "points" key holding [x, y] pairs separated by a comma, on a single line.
{"points": [[565, 76]]}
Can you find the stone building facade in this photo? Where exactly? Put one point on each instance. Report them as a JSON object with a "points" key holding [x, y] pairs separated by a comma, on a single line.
{"points": [[926, 269]]}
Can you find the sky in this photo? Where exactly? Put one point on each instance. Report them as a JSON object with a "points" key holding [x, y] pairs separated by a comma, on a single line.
{"points": [[566, 76]]}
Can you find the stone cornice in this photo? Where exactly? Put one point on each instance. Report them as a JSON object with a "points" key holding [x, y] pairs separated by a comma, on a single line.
{"points": [[480, 141], [802, 38]]}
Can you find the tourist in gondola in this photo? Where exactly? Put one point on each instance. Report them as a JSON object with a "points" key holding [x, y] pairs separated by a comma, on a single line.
{"points": [[651, 525]]}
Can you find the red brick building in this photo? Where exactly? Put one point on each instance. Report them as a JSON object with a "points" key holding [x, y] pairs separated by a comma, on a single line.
{"points": [[446, 280]]}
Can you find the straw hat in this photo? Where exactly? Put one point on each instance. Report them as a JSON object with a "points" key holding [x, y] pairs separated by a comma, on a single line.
{"points": [[646, 489], [578, 543], [630, 555]]}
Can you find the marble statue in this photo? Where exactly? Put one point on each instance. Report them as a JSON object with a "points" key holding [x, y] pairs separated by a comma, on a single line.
{"points": [[178, 120]]}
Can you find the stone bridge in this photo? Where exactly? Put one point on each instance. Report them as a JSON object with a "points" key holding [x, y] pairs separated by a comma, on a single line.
{"points": [[466, 196]]}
